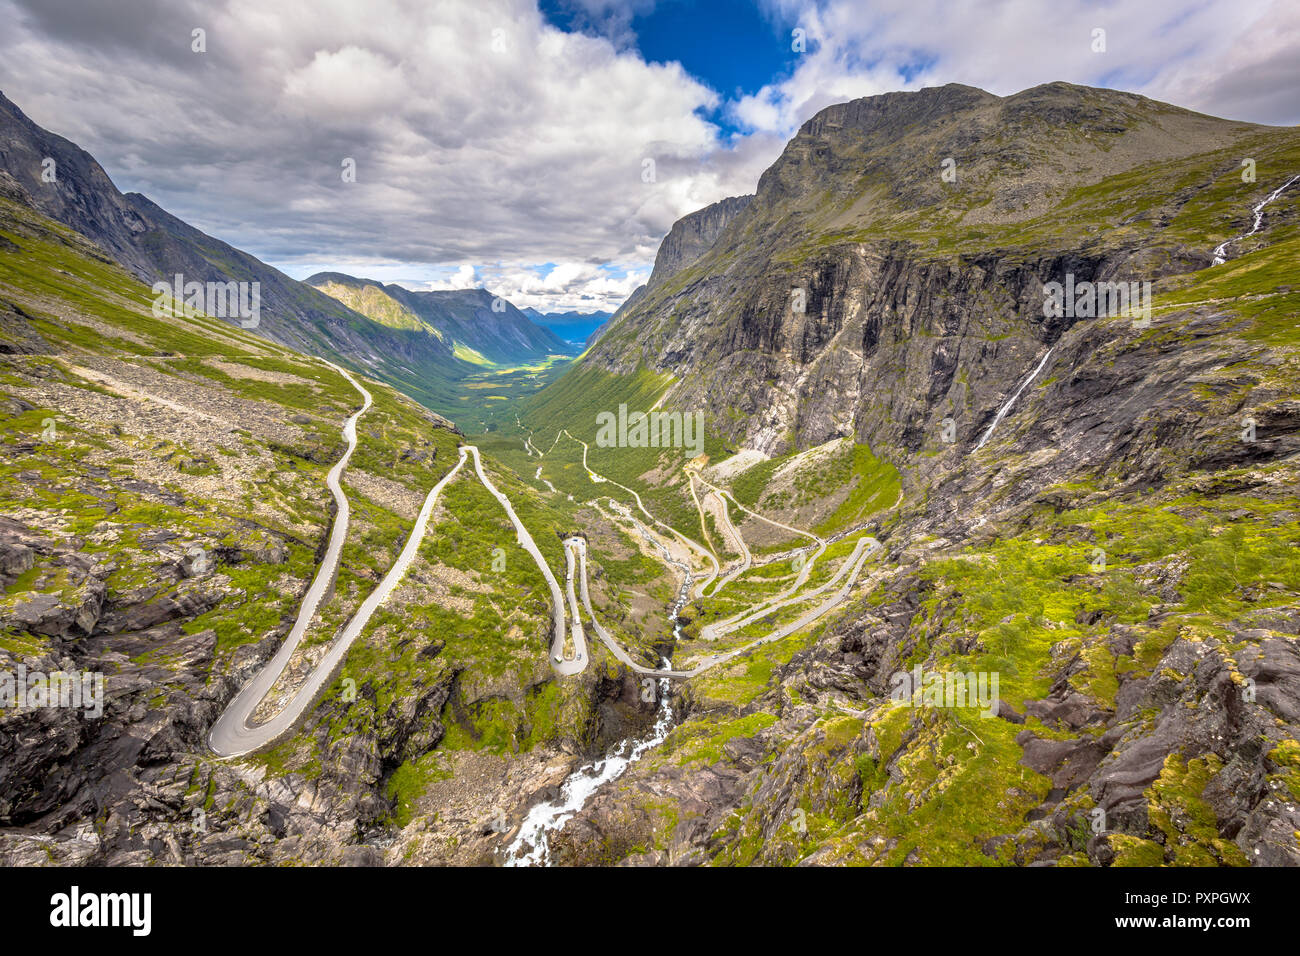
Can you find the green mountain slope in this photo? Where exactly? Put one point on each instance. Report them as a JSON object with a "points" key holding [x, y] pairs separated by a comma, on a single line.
{"points": [[1087, 521], [163, 510], [154, 245], [482, 328], [1116, 549]]}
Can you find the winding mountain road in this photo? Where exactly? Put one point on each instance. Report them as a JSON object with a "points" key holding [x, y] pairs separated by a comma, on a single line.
{"points": [[852, 566], [234, 733], [688, 542], [754, 514], [229, 734], [558, 661], [731, 538], [721, 628], [722, 495]]}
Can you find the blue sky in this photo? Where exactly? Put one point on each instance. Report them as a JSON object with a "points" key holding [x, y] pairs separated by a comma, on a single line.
{"points": [[736, 47], [500, 144]]}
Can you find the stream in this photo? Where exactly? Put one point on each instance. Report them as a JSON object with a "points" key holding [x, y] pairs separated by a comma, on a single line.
{"points": [[1221, 251], [532, 846], [1220, 256]]}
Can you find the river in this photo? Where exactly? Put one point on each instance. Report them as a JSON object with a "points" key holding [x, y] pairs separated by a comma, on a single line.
{"points": [[532, 845]]}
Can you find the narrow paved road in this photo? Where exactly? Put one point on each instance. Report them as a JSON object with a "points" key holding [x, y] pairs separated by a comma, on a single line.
{"points": [[526, 542], [732, 540], [228, 732], [849, 571], [234, 733], [755, 514], [851, 567], [606, 638], [759, 611], [688, 542], [576, 630], [723, 495]]}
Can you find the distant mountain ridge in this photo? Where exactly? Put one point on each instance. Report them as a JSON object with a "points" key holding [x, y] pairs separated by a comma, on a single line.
{"points": [[154, 245], [474, 319], [572, 326]]}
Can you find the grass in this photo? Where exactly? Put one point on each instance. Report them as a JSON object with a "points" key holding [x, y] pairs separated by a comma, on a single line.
{"points": [[85, 308]]}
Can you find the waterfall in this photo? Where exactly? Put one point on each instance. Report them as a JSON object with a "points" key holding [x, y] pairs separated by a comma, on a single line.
{"points": [[1002, 412], [531, 847], [1221, 250]]}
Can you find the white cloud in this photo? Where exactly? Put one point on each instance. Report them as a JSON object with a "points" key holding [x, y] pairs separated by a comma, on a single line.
{"points": [[1192, 54], [566, 286], [466, 277], [488, 141], [349, 81], [480, 133]]}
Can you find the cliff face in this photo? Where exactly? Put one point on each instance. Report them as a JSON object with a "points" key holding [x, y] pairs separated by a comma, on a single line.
{"points": [[1116, 550], [861, 293], [1117, 553], [888, 345], [692, 235]]}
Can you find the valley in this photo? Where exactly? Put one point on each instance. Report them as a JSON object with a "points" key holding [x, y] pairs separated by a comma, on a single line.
{"points": [[369, 585]]}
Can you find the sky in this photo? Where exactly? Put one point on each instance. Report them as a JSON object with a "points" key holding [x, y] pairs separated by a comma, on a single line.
{"points": [[542, 151]]}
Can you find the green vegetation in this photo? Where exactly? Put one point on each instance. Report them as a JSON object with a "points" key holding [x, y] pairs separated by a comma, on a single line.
{"points": [[868, 485], [875, 487], [702, 741]]}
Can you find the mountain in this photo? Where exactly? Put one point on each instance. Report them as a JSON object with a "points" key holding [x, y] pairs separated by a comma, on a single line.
{"points": [[968, 566], [856, 214], [573, 326], [475, 323], [1096, 508], [153, 245], [163, 510], [690, 237]]}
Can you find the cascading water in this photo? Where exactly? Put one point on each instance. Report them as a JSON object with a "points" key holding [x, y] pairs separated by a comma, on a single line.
{"points": [[1221, 251], [1002, 412], [531, 846]]}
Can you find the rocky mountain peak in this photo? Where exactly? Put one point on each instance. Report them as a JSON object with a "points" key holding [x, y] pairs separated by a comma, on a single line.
{"points": [[894, 114], [692, 235]]}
